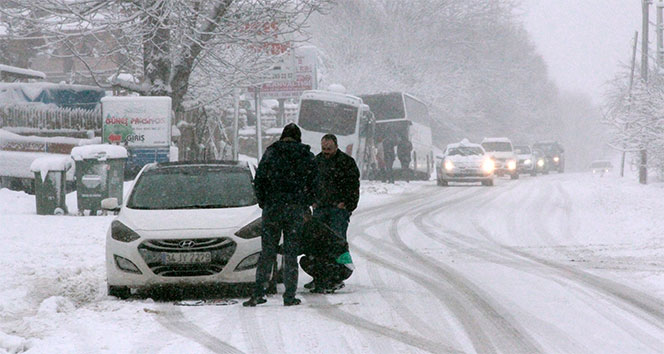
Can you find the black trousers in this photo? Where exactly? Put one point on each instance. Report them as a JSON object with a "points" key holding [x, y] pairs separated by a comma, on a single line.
{"points": [[278, 219], [325, 271]]}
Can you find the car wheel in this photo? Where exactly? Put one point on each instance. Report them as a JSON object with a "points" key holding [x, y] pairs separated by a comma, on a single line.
{"points": [[438, 182], [121, 292], [444, 183], [533, 173], [488, 183], [514, 176], [545, 172]]}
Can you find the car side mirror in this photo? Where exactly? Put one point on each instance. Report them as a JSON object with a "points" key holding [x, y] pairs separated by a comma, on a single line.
{"points": [[110, 204]]}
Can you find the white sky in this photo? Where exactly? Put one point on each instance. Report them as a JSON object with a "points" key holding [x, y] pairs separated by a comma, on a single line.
{"points": [[584, 41]]}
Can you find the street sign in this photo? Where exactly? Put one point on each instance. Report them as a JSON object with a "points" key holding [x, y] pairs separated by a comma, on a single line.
{"points": [[295, 73]]}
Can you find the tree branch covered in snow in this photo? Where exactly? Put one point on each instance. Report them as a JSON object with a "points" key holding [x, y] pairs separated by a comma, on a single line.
{"points": [[171, 45]]}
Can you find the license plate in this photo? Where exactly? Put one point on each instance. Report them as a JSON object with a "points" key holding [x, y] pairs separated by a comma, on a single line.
{"points": [[186, 258]]}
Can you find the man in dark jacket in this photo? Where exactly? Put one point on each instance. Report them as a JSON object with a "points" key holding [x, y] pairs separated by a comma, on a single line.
{"points": [[284, 186], [337, 187], [326, 257], [388, 154], [404, 150]]}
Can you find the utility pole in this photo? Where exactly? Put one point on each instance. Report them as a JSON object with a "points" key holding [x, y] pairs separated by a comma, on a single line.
{"points": [[660, 37], [645, 4], [629, 108], [259, 137], [236, 122]]}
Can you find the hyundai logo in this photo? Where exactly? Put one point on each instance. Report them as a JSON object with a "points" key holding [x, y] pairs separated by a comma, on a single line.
{"points": [[187, 244]]}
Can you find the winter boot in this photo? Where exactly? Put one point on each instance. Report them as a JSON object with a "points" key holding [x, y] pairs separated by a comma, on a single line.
{"points": [[310, 285], [253, 301], [292, 301]]}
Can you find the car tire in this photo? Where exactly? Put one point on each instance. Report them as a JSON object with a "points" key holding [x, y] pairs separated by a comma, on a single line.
{"points": [[514, 176], [121, 292], [534, 174], [443, 183], [488, 183]]}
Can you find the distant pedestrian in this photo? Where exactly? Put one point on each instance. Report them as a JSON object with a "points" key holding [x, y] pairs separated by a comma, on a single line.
{"points": [[284, 185], [380, 160], [388, 153], [404, 150]]}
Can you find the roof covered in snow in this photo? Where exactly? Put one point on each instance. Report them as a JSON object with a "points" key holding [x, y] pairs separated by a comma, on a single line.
{"points": [[98, 152], [51, 163], [22, 73]]}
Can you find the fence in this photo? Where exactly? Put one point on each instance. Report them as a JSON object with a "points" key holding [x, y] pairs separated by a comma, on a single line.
{"points": [[50, 118]]}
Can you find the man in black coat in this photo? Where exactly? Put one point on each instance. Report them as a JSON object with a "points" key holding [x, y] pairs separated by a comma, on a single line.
{"points": [[404, 150], [284, 185], [388, 153], [337, 187]]}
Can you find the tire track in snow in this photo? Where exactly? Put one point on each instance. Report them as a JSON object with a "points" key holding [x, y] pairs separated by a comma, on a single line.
{"points": [[172, 319], [488, 315]]}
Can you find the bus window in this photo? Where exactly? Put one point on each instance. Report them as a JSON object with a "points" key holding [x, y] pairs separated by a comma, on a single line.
{"points": [[327, 117], [386, 106]]}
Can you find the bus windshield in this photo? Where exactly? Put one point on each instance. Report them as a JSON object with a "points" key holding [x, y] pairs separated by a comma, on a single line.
{"points": [[386, 106], [327, 117]]}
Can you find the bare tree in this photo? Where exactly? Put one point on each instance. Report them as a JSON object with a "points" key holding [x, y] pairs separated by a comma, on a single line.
{"points": [[169, 44]]}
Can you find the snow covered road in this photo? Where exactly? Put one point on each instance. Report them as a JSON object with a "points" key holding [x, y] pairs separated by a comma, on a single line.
{"points": [[561, 263]]}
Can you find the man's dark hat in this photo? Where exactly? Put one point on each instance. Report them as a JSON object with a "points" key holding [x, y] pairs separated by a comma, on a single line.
{"points": [[291, 130]]}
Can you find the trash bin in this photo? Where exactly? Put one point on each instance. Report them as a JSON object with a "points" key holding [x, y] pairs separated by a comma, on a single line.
{"points": [[99, 175], [50, 184]]}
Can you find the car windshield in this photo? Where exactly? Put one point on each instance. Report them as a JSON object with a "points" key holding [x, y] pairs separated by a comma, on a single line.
{"points": [[601, 164], [497, 146], [522, 150], [548, 149], [465, 151], [327, 117], [193, 187]]}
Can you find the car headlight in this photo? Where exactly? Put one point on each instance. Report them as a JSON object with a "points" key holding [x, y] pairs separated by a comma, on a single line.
{"points": [[527, 162], [449, 166], [120, 232], [251, 230], [488, 166], [511, 165], [540, 163], [556, 159], [248, 262]]}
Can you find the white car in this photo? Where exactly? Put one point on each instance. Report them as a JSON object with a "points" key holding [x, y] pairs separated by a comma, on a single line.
{"points": [[184, 223], [502, 152], [526, 160], [465, 162]]}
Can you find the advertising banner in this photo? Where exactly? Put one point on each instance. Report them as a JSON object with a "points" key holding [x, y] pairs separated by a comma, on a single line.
{"points": [[136, 121], [295, 73]]}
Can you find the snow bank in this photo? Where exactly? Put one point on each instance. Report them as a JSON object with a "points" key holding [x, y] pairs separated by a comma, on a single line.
{"points": [[99, 152], [50, 163], [12, 344]]}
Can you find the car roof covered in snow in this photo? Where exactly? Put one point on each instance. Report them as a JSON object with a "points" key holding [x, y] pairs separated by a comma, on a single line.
{"points": [[500, 139], [220, 163], [464, 142], [98, 152]]}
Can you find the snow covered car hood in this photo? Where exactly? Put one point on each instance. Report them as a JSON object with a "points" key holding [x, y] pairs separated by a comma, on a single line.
{"points": [[189, 219]]}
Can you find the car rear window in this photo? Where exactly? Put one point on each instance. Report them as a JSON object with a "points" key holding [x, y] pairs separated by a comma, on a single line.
{"points": [[497, 146], [193, 187]]}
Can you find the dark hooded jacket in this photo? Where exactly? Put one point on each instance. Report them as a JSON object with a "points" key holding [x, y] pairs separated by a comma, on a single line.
{"points": [[286, 175], [338, 181], [318, 240]]}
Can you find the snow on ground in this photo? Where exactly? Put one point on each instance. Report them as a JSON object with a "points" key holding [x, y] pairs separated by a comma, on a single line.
{"points": [[515, 272]]}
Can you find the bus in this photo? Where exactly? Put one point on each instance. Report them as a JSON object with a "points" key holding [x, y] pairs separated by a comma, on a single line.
{"points": [[346, 116], [402, 114]]}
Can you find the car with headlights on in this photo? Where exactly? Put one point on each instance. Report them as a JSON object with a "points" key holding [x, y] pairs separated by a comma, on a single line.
{"points": [[184, 223], [502, 152], [465, 162], [555, 154], [525, 162], [600, 167]]}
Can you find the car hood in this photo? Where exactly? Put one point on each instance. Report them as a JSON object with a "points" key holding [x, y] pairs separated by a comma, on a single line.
{"points": [[466, 160], [189, 219]]}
